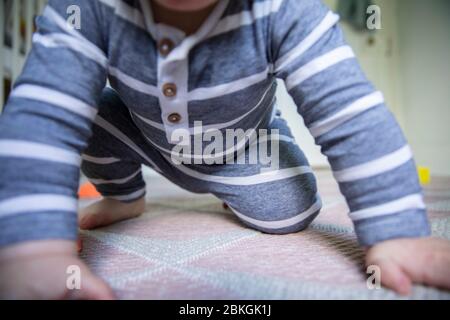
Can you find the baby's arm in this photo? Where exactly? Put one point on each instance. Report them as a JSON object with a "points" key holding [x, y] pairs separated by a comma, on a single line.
{"points": [[43, 130], [365, 146]]}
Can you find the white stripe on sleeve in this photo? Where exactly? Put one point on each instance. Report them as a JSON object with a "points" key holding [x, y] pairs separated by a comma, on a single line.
{"points": [[323, 126], [318, 65], [326, 24], [38, 151], [56, 98], [36, 203], [414, 201], [375, 167]]}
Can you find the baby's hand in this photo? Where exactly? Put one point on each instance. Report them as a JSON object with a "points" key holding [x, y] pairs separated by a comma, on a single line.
{"points": [[38, 270], [404, 261]]}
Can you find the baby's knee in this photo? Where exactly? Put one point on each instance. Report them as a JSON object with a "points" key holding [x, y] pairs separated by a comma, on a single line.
{"points": [[294, 228], [283, 214]]}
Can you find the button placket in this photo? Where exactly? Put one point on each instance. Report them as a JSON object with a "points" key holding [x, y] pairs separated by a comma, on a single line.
{"points": [[172, 81], [169, 90], [165, 46], [174, 117], [172, 78]]}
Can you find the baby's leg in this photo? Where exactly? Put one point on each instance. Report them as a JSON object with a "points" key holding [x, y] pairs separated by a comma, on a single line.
{"points": [[284, 201], [278, 202], [112, 166]]}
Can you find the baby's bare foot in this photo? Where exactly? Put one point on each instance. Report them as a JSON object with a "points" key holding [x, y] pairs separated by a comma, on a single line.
{"points": [[108, 211]]}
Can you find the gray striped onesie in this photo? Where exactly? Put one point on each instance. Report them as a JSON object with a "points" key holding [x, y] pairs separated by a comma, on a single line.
{"points": [[60, 116]]}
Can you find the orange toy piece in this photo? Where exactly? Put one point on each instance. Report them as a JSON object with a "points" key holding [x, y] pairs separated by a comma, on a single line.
{"points": [[87, 190]]}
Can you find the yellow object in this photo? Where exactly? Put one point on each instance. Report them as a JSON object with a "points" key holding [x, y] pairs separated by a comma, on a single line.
{"points": [[424, 175]]}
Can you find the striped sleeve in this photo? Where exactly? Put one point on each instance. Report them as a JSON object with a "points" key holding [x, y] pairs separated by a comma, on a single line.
{"points": [[47, 122], [347, 116]]}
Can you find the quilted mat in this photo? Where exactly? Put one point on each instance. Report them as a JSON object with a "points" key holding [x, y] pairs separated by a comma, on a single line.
{"points": [[188, 246]]}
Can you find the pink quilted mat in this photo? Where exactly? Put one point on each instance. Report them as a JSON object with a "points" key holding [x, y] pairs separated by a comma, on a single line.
{"points": [[187, 246]]}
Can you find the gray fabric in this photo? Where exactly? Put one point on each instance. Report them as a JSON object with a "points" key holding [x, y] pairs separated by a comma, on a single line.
{"points": [[41, 139], [270, 201]]}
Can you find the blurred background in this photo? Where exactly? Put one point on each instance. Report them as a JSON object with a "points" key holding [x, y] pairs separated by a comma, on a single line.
{"points": [[408, 59]]}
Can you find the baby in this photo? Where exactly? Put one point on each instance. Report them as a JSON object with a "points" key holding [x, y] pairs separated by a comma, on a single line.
{"points": [[172, 64]]}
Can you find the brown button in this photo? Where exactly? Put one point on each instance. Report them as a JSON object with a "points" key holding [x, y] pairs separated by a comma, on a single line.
{"points": [[174, 117], [169, 90], [165, 46]]}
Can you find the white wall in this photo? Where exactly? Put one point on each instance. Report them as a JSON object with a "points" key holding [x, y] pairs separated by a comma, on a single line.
{"points": [[424, 38]]}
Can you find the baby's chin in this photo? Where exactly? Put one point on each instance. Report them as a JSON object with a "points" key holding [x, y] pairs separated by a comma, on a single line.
{"points": [[186, 5]]}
